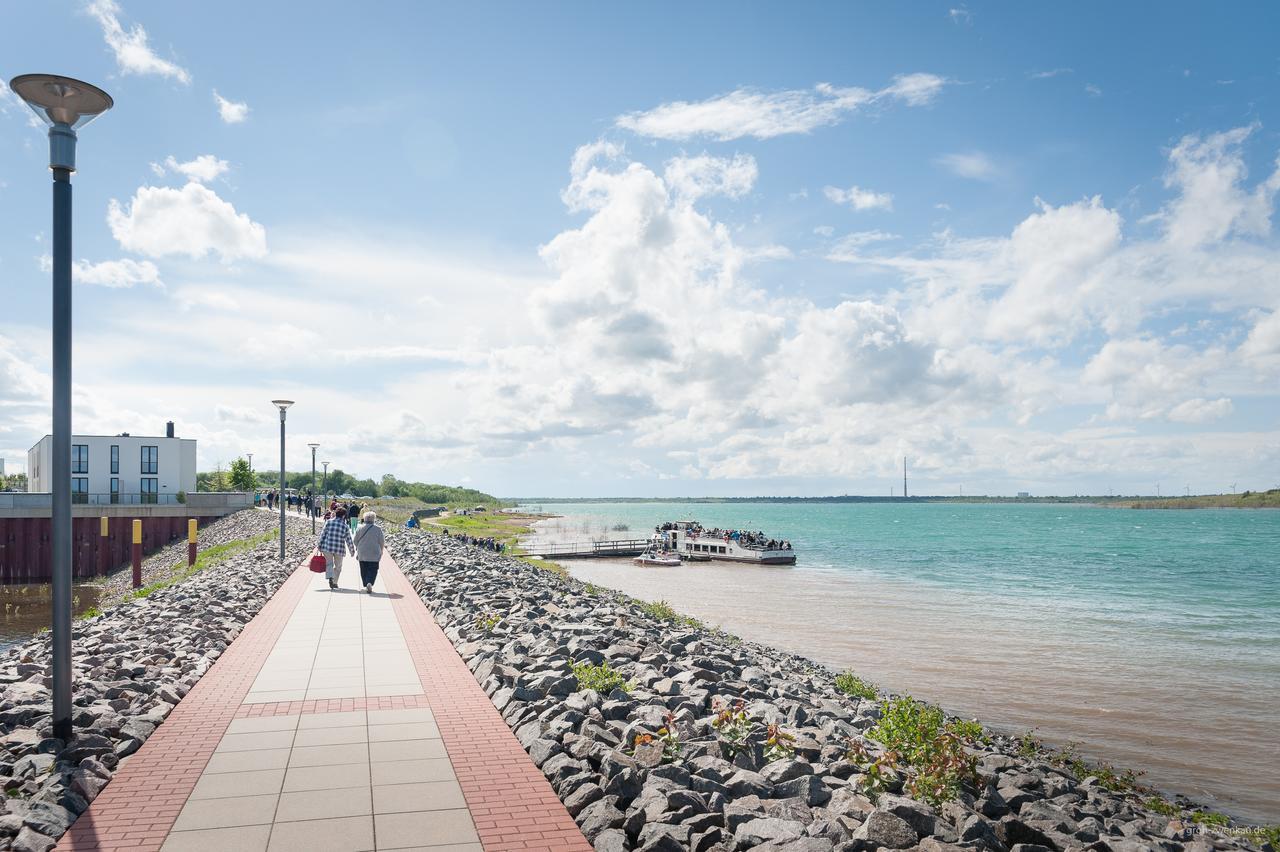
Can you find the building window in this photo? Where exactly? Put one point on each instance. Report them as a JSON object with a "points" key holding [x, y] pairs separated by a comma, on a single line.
{"points": [[115, 489], [150, 459], [79, 489], [79, 458], [115, 458], [149, 490]]}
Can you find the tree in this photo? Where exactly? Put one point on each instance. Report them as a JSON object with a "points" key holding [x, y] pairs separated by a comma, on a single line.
{"points": [[242, 478], [14, 482]]}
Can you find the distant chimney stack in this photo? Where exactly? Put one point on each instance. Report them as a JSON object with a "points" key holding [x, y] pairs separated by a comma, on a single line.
{"points": [[168, 429]]}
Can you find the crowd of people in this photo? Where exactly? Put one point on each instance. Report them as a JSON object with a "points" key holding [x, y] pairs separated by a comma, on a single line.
{"points": [[308, 505], [489, 543], [745, 538]]}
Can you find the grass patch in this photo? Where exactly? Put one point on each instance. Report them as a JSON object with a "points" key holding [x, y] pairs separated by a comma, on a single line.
{"points": [[1162, 807], [602, 678], [921, 741], [206, 558], [91, 612], [662, 611], [1211, 818], [855, 687]]}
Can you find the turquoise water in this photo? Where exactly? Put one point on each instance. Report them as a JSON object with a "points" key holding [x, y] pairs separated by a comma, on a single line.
{"points": [[1152, 638]]}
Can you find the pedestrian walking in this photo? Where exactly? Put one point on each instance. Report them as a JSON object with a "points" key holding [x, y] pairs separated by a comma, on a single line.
{"points": [[335, 543], [369, 540]]}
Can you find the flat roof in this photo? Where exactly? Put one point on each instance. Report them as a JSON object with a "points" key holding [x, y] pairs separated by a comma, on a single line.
{"points": [[140, 437]]}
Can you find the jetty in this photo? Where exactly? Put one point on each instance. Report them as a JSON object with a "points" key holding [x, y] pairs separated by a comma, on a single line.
{"points": [[590, 549]]}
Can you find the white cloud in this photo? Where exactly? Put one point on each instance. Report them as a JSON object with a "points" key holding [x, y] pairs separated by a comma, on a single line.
{"points": [[231, 112], [191, 221], [694, 177], [748, 112], [973, 164], [1208, 173], [114, 274], [1093, 90], [960, 15], [915, 89], [1052, 72], [824, 230], [133, 54], [859, 198], [202, 169], [846, 248]]}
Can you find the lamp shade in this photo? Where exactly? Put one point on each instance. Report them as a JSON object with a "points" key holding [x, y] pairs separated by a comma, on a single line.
{"points": [[61, 100]]}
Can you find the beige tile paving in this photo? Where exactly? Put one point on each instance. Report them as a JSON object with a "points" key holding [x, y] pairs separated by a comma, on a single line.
{"points": [[331, 782]]}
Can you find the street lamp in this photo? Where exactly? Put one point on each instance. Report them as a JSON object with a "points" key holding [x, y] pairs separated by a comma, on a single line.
{"points": [[283, 405], [313, 486], [65, 105], [325, 486]]}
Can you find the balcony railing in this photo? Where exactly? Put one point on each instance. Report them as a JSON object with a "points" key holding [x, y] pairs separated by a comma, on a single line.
{"points": [[124, 499]]}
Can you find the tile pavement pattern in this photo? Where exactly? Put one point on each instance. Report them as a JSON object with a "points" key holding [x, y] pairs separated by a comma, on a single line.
{"points": [[334, 722]]}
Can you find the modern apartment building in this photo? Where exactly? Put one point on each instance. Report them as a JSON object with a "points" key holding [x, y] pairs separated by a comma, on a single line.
{"points": [[120, 468]]}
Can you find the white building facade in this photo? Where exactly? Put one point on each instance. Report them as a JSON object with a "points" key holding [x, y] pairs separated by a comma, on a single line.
{"points": [[121, 468]]}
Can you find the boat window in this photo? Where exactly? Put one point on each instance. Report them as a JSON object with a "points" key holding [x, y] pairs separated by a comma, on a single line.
{"points": [[723, 550]]}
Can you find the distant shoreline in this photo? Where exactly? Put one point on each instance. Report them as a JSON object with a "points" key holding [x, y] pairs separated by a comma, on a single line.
{"points": [[1247, 500]]}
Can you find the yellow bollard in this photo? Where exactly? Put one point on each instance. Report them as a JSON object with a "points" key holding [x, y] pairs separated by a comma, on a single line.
{"points": [[103, 546], [191, 542], [137, 554]]}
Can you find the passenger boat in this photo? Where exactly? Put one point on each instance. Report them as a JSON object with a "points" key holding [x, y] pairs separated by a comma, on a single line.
{"points": [[694, 542]]}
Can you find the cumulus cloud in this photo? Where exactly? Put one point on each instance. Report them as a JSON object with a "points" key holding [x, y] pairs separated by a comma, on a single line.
{"points": [[1212, 203], [859, 198], [231, 112], [115, 274], [202, 169], [133, 54], [191, 221], [764, 115], [973, 164]]}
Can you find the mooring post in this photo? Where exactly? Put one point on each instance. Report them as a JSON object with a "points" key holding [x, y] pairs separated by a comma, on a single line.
{"points": [[104, 547], [137, 554], [191, 542]]}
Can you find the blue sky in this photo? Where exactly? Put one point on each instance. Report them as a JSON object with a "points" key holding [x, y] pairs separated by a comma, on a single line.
{"points": [[719, 249]]}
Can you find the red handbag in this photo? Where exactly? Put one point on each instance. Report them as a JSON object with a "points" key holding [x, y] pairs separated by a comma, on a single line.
{"points": [[318, 563]]}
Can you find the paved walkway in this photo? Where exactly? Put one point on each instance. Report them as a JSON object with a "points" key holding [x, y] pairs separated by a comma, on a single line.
{"points": [[336, 721]]}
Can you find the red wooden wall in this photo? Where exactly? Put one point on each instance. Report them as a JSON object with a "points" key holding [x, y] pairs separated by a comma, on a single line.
{"points": [[25, 551]]}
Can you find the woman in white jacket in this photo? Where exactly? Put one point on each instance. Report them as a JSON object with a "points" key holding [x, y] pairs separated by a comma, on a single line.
{"points": [[369, 541]]}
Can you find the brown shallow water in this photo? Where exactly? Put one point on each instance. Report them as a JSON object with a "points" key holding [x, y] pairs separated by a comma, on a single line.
{"points": [[977, 655], [24, 610]]}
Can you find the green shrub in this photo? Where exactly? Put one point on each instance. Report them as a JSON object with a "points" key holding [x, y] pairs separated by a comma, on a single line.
{"points": [[969, 730], [1211, 818], [601, 678], [916, 733], [488, 621], [662, 611], [1162, 807], [855, 687]]}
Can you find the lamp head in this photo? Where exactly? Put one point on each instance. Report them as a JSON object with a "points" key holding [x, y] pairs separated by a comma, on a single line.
{"points": [[61, 100], [313, 446]]}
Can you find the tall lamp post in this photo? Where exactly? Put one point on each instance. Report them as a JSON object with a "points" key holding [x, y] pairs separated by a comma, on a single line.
{"points": [[65, 105], [313, 486], [283, 405], [325, 486]]}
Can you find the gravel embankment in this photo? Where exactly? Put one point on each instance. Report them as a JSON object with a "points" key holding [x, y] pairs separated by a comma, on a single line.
{"points": [[160, 565], [132, 664], [519, 628]]}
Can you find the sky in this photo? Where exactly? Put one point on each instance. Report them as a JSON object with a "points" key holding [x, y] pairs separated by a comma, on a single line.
{"points": [[716, 249]]}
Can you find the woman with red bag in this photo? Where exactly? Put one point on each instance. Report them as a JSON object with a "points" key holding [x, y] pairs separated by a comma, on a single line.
{"points": [[335, 543]]}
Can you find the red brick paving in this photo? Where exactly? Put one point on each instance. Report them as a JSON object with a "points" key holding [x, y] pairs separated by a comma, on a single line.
{"points": [[512, 803], [138, 807]]}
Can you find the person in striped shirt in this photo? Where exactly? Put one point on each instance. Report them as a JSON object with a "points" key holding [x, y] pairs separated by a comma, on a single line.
{"points": [[335, 543]]}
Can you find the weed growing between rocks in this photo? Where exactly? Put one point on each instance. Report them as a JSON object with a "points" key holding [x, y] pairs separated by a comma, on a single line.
{"points": [[599, 677], [206, 558], [488, 621], [929, 748], [855, 687], [662, 611]]}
